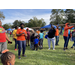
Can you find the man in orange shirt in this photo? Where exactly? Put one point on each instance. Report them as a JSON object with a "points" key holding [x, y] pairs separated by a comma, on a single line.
{"points": [[21, 39], [57, 35]]}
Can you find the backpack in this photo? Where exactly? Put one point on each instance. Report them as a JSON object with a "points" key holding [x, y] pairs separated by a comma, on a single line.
{"points": [[73, 34]]}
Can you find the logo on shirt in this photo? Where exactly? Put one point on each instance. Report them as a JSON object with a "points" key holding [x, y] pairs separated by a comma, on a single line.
{"points": [[2, 30]]}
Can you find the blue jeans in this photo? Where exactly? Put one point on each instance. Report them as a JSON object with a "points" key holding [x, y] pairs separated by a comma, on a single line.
{"points": [[57, 40], [20, 45], [65, 43], [68, 39]]}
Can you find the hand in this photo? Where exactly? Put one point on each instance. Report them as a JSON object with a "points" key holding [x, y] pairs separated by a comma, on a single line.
{"points": [[9, 42]]}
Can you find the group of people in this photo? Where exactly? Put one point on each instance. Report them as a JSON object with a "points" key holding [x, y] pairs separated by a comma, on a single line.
{"points": [[23, 37]]}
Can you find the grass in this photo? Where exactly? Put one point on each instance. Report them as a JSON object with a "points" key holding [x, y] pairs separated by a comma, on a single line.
{"points": [[45, 56]]}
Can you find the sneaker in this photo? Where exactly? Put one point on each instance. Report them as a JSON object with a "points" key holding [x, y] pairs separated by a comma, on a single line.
{"points": [[19, 57], [24, 55], [71, 47], [48, 48], [64, 49], [15, 49]]}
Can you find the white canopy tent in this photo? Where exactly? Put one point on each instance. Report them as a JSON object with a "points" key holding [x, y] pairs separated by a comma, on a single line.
{"points": [[24, 28], [28, 28]]}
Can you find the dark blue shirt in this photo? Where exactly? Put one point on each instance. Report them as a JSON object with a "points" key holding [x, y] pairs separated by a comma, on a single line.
{"points": [[36, 41]]}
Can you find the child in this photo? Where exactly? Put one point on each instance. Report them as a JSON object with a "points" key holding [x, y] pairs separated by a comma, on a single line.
{"points": [[41, 34], [7, 58], [36, 43]]}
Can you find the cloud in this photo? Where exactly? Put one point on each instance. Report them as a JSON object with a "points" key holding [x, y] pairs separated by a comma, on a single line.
{"points": [[26, 17]]}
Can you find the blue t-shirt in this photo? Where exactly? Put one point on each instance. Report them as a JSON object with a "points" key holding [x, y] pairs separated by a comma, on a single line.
{"points": [[36, 41], [68, 31], [41, 35]]}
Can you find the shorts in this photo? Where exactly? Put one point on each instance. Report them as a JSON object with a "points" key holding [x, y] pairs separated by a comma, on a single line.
{"points": [[3, 46]]}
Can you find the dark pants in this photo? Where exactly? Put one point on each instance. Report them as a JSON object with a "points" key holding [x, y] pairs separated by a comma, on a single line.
{"points": [[20, 45], [65, 43], [41, 42], [68, 39], [36, 46], [15, 43], [57, 40], [74, 41]]}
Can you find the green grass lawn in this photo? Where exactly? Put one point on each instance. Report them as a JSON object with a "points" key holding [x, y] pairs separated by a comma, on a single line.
{"points": [[45, 56]]}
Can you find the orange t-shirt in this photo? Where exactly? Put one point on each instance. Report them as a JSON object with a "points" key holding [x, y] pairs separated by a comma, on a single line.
{"points": [[21, 37], [57, 32], [38, 32]]}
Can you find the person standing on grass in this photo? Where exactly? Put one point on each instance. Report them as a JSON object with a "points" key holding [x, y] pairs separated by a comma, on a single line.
{"points": [[65, 35], [3, 38], [51, 37], [41, 34], [36, 41], [15, 37], [21, 35], [28, 37], [57, 35], [32, 41]]}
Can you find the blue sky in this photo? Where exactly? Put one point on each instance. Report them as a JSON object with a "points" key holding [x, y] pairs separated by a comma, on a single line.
{"points": [[25, 14]]}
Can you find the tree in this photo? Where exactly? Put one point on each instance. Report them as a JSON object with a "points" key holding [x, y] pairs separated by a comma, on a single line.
{"points": [[57, 16], [17, 23], [6, 26], [36, 22], [2, 17], [70, 15]]}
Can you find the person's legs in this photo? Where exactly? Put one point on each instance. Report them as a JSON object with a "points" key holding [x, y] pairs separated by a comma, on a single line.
{"points": [[15, 43], [53, 42], [24, 47], [36, 47], [49, 42], [3, 46], [28, 42], [65, 42], [20, 47], [56, 40]]}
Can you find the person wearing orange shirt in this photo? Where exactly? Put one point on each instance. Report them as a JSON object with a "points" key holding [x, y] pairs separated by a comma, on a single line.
{"points": [[65, 35], [57, 35], [21, 39]]}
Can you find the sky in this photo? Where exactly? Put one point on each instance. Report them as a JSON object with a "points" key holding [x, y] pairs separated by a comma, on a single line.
{"points": [[25, 14]]}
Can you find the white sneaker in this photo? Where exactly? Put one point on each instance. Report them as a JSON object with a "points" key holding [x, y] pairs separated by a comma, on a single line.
{"points": [[53, 49], [48, 48]]}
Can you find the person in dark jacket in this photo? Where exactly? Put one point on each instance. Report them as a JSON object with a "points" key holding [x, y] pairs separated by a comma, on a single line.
{"points": [[32, 41], [51, 37]]}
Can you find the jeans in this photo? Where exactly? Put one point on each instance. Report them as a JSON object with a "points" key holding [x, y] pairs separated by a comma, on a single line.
{"points": [[41, 42], [68, 39], [57, 40], [65, 43], [20, 45]]}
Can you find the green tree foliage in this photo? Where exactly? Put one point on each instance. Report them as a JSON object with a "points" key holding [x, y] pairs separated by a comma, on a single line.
{"points": [[70, 15], [2, 17], [6, 26], [36, 22], [17, 23], [56, 16]]}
